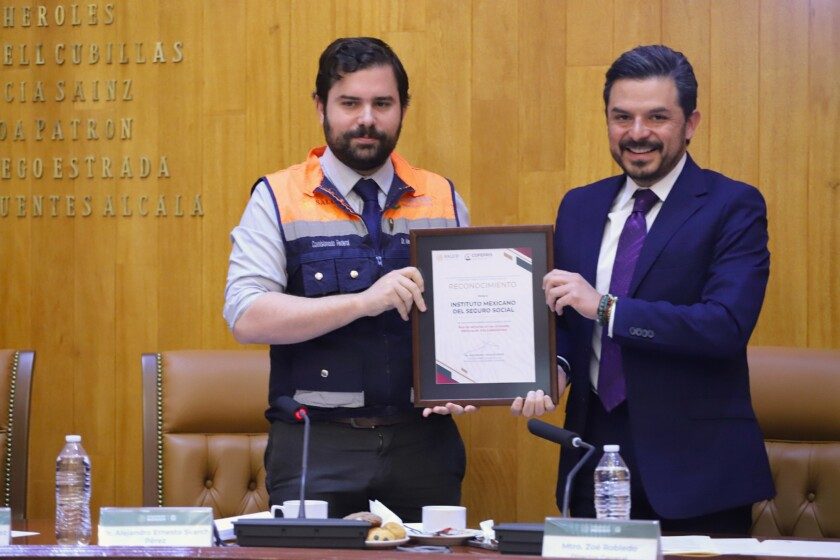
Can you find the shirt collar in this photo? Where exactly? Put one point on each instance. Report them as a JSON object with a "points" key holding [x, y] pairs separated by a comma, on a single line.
{"points": [[344, 178], [662, 187]]}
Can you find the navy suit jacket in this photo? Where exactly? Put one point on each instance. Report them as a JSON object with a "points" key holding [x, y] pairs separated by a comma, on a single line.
{"points": [[683, 329]]}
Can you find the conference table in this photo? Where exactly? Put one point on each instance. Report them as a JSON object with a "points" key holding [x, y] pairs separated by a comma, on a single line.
{"points": [[43, 546]]}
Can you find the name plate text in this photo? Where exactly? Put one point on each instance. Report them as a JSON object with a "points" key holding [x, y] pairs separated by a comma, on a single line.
{"points": [[166, 526], [601, 538]]}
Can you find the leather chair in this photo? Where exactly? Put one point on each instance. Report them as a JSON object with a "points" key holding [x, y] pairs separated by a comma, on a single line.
{"points": [[15, 388], [796, 396], [204, 433]]}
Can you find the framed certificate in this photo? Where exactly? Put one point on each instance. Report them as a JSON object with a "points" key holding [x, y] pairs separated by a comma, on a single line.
{"points": [[487, 335]]}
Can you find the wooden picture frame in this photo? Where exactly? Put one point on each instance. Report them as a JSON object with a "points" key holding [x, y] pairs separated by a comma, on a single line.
{"points": [[487, 335]]}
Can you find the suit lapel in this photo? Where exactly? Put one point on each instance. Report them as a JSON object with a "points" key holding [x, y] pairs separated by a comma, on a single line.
{"points": [[687, 196], [593, 219]]}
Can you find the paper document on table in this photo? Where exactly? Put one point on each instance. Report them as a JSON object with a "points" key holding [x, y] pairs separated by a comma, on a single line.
{"points": [[744, 546], [801, 549], [702, 545], [689, 544], [225, 525]]}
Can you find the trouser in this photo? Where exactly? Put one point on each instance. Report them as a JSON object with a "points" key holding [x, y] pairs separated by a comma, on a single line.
{"points": [[404, 466], [603, 428]]}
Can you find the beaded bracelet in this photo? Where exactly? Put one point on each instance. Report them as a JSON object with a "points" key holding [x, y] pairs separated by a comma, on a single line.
{"points": [[602, 309]]}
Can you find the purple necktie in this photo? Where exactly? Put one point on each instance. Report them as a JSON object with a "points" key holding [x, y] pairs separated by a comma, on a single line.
{"points": [[611, 383], [371, 213]]}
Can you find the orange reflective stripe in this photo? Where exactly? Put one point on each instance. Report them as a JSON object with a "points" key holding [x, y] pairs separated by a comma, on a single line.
{"points": [[415, 177], [294, 191], [294, 188]]}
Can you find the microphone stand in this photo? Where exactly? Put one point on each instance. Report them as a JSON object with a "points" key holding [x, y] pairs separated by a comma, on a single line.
{"points": [[301, 532], [576, 442], [304, 466]]}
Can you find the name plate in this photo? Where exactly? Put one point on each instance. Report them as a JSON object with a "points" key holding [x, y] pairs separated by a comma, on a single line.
{"points": [[163, 526], [601, 538], [5, 526]]}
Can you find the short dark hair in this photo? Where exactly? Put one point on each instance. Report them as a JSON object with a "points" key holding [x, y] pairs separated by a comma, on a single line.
{"points": [[653, 61], [350, 54]]}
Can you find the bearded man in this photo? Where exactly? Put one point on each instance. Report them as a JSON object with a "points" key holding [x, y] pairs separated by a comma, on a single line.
{"points": [[319, 270], [661, 273]]}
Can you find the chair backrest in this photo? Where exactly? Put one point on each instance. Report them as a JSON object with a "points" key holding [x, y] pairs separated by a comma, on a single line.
{"points": [[796, 396], [15, 388], [204, 429]]}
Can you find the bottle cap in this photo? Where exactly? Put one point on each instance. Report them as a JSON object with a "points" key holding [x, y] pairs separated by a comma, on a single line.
{"points": [[612, 448], [73, 439]]}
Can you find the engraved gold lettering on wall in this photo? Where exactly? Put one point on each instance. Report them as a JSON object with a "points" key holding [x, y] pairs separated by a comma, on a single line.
{"points": [[68, 116]]}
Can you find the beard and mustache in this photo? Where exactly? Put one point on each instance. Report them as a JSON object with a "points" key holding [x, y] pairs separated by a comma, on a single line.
{"points": [[638, 172], [645, 146], [364, 158]]}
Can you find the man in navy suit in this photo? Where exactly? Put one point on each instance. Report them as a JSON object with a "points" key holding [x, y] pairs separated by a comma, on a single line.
{"points": [[657, 293]]}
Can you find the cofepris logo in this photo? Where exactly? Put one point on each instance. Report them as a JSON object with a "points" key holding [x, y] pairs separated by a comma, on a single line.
{"points": [[478, 256], [73, 141]]}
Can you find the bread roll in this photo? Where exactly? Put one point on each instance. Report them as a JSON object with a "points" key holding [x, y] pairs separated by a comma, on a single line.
{"points": [[372, 518], [395, 528], [380, 534]]}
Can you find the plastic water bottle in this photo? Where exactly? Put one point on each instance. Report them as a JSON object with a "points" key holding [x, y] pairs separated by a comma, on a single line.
{"points": [[612, 486], [72, 493]]}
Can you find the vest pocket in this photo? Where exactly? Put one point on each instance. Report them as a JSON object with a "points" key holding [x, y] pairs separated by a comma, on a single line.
{"points": [[345, 276], [319, 277], [355, 275], [326, 366]]}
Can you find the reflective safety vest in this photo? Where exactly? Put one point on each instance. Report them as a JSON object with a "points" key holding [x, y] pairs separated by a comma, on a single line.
{"points": [[329, 251]]}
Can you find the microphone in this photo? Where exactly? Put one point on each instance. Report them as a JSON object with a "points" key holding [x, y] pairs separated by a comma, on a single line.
{"points": [[568, 440], [554, 433], [291, 407], [298, 412]]}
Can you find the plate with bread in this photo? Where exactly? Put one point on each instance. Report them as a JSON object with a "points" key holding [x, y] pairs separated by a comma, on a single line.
{"points": [[381, 535]]}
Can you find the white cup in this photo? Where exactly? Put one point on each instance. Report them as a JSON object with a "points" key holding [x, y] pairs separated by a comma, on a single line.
{"points": [[315, 509], [437, 518]]}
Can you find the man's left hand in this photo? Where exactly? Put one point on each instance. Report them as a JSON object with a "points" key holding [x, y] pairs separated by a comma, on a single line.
{"points": [[536, 403], [563, 288], [449, 408]]}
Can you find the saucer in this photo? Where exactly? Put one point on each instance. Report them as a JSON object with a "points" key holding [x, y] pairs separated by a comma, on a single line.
{"points": [[386, 544], [416, 534]]}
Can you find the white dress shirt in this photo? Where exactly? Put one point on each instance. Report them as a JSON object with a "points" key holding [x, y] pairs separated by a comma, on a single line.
{"points": [[619, 212]]}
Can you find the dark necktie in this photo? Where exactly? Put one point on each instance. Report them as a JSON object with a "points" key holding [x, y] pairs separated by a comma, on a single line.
{"points": [[611, 382], [371, 213]]}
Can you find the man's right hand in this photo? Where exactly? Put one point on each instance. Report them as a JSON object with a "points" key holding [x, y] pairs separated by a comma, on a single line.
{"points": [[399, 289]]}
